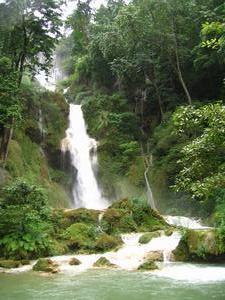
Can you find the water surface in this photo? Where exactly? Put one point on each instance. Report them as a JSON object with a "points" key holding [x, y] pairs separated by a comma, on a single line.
{"points": [[106, 285]]}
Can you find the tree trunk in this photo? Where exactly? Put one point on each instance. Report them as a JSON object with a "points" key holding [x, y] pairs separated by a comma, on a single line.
{"points": [[178, 67], [6, 138]]}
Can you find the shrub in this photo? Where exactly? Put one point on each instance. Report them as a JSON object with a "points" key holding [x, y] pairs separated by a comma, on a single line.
{"points": [[24, 227], [80, 236]]}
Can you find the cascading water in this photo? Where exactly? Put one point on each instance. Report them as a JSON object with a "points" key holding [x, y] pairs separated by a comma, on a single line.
{"points": [[86, 192]]}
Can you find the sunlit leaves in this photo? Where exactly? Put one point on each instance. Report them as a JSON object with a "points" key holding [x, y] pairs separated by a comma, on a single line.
{"points": [[203, 158]]}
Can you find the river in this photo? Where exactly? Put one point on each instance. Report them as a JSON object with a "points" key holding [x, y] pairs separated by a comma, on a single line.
{"points": [[109, 285]]}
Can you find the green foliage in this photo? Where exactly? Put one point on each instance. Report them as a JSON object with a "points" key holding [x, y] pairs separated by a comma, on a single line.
{"points": [[106, 242], [131, 215], [80, 236], [202, 158], [24, 223]]}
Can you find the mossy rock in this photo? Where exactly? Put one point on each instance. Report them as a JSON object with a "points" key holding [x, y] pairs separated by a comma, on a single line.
{"points": [[154, 256], [45, 265], [80, 236], [25, 262], [81, 215], [148, 266], [103, 262], [143, 218], [146, 237], [122, 204], [199, 245], [107, 242], [74, 262], [169, 231], [181, 253], [9, 264], [118, 221]]}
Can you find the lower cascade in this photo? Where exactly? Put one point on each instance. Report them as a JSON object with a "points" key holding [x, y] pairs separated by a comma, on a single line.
{"points": [[82, 148]]}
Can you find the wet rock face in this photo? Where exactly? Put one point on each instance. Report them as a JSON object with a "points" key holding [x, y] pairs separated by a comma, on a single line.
{"points": [[103, 262], [45, 265], [148, 265], [199, 245]]}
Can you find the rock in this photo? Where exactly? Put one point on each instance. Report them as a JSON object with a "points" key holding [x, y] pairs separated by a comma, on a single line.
{"points": [[103, 262], [107, 242], [81, 215], [8, 264], [146, 237], [74, 262], [148, 265], [168, 231], [118, 221], [45, 265], [25, 262], [181, 253], [155, 256], [199, 245]]}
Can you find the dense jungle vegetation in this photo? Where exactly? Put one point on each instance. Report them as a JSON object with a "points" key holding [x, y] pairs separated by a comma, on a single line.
{"points": [[150, 77]]}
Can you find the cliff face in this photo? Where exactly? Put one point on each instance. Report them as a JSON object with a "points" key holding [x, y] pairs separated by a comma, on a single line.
{"points": [[34, 152]]}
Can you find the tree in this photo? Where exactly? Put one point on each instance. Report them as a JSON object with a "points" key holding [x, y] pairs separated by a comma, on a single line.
{"points": [[24, 227], [202, 161], [30, 30]]}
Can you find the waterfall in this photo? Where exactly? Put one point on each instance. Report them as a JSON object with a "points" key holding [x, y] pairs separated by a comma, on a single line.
{"points": [[150, 197], [82, 148], [184, 222]]}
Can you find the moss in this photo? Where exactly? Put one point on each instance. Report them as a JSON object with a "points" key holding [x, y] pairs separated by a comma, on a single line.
{"points": [[146, 238], [148, 266], [106, 242], [74, 262], [81, 215], [169, 231], [8, 264], [103, 262], [181, 253], [15, 164], [199, 245], [25, 262], [117, 221], [132, 215], [57, 196], [45, 265], [59, 247], [80, 236]]}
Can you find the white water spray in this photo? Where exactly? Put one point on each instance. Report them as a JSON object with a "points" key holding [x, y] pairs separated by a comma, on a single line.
{"points": [[86, 192]]}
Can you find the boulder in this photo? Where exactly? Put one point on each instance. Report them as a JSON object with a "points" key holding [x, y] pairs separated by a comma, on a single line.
{"points": [[199, 245], [146, 237], [74, 262], [154, 256], [103, 262], [9, 264], [148, 265], [45, 265], [25, 262]]}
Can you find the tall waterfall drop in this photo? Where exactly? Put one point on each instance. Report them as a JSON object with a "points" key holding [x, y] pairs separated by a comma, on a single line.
{"points": [[82, 148]]}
